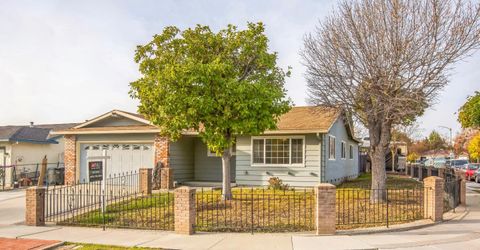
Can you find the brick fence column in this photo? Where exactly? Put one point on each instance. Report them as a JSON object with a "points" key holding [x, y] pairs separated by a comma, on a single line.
{"points": [[35, 206], [441, 173], [70, 159], [145, 181], [162, 155], [433, 198], [185, 210], [325, 208], [463, 192]]}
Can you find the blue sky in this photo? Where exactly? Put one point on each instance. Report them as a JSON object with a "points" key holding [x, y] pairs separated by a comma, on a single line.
{"points": [[66, 61]]}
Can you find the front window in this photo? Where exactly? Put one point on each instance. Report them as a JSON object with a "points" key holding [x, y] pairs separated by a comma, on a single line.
{"points": [[277, 151], [344, 149], [331, 147]]}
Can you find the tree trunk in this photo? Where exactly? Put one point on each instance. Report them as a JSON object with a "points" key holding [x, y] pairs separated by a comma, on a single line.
{"points": [[226, 187], [380, 135]]}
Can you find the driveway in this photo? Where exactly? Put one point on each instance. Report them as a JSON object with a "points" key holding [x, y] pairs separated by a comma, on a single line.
{"points": [[12, 207]]}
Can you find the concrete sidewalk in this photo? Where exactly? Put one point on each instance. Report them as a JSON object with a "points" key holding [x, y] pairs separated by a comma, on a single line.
{"points": [[462, 232]]}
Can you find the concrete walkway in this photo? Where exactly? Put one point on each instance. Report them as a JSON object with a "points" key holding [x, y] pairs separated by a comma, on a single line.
{"points": [[462, 232], [12, 207]]}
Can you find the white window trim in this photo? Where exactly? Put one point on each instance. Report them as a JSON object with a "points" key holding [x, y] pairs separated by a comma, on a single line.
{"points": [[334, 150], [343, 147], [290, 155]]}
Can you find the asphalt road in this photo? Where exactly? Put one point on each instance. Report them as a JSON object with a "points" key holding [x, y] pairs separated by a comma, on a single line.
{"points": [[12, 207]]}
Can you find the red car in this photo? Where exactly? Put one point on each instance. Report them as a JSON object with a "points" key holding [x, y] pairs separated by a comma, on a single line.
{"points": [[470, 170]]}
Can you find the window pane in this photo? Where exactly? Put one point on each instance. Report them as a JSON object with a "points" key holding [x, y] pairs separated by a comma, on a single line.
{"points": [[297, 151], [331, 148], [277, 151], [258, 151]]}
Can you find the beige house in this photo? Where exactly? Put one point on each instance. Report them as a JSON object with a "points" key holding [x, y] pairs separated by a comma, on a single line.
{"points": [[23, 147]]}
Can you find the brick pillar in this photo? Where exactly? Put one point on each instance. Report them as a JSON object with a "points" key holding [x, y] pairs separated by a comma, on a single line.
{"points": [[166, 178], [185, 210], [70, 159], [325, 208], [412, 170], [463, 192], [145, 181], [35, 206], [433, 198], [441, 173], [162, 155]]}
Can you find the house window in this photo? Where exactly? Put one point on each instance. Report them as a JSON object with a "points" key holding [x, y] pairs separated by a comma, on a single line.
{"points": [[277, 151], [351, 152], [344, 150], [331, 148]]}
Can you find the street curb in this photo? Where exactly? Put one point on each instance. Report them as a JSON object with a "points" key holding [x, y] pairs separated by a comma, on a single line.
{"points": [[53, 246]]}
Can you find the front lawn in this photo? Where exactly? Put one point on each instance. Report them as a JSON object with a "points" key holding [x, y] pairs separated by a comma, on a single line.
{"points": [[83, 246], [267, 210]]}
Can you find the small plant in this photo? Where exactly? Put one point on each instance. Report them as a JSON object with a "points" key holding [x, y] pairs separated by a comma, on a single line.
{"points": [[276, 183]]}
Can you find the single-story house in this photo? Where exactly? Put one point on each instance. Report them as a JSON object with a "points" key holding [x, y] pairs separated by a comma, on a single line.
{"points": [[311, 144], [25, 146]]}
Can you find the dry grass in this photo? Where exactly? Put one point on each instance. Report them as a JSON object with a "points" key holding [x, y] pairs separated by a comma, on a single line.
{"points": [[266, 210]]}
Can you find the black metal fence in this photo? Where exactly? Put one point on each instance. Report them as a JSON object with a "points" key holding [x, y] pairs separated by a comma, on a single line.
{"points": [[356, 208], [256, 210], [116, 203], [452, 194]]}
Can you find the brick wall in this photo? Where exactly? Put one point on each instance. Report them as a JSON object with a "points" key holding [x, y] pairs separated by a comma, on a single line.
{"points": [[162, 148], [35, 206], [184, 210], [70, 159], [325, 208]]}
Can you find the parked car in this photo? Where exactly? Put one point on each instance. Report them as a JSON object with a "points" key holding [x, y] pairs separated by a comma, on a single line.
{"points": [[476, 175], [470, 170], [457, 163]]}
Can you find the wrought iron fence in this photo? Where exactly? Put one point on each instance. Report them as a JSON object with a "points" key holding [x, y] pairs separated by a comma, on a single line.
{"points": [[116, 203], [452, 194], [256, 210], [355, 207]]}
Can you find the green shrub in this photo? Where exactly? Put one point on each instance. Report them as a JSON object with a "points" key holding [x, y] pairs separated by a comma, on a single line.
{"points": [[276, 183]]}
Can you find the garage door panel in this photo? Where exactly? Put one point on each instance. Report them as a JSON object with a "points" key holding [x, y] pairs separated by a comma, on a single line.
{"points": [[124, 157]]}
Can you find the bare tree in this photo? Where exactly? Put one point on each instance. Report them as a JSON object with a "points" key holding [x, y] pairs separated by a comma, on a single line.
{"points": [[386, 61]]}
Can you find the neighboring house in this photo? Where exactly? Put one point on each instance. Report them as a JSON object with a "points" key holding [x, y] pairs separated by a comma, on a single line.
{"points": [[311, 145], [25, 146]]}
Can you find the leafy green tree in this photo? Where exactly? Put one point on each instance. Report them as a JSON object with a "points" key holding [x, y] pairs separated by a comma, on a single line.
{"points": [[474, 148], [436, 141], [220, 84], [469, 113]]}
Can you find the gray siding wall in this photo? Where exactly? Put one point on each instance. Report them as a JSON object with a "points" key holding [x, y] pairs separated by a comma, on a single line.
{"points": [[296, 176], [111, 121], [182, 159], [340, 169], [209, 168], [117, 138]]}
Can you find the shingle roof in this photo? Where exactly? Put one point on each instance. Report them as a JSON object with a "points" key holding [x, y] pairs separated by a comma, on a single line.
{"points": [[36, 134], [308, 118]]}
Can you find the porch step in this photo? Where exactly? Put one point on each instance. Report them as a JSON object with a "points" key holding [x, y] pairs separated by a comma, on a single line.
{"points": [[213, 184]]}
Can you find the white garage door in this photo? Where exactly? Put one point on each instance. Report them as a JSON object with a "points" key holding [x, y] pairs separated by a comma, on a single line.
{"points": [[124, 157]]}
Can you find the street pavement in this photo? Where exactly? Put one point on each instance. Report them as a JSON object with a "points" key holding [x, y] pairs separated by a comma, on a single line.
{"points": [[462, 232], [12, 207]]}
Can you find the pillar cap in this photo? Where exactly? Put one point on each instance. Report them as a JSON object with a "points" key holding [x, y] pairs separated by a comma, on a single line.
{"points": [[325, 186]]}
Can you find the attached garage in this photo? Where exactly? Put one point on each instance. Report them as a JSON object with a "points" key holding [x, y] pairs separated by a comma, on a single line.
{"points": [[124, 157]]}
